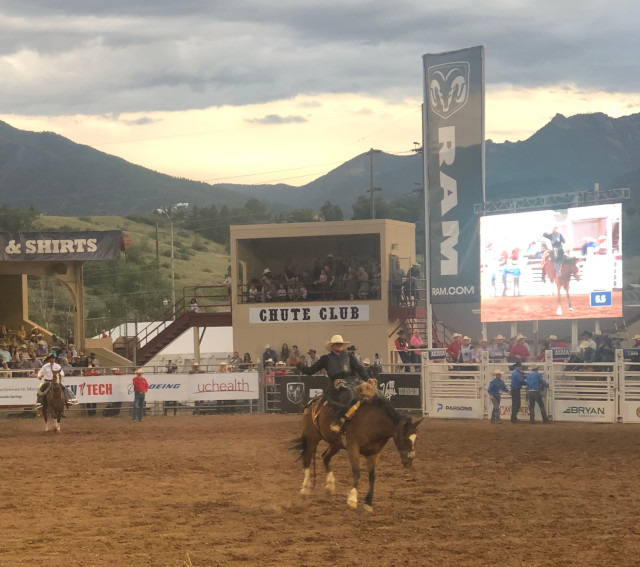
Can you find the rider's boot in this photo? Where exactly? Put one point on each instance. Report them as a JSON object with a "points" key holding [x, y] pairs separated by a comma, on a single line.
{"points": [[38, 407], [338, 421], [69, 398], [342, 417]]}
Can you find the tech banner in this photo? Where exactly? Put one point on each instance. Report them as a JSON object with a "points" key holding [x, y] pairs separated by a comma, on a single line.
{"points": [[60, 246], [453, 139], [162, 387]]}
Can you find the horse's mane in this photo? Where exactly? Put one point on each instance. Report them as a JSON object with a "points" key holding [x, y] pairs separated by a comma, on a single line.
{"points": [[388, 409]]}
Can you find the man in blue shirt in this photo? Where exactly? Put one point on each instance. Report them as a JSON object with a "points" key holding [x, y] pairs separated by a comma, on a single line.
{"points": [[535, 384], [517, 381], [496, 386]]}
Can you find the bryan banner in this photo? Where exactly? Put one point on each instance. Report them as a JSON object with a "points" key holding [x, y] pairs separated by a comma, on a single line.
{"points": [[453, 139], [60, 246]]}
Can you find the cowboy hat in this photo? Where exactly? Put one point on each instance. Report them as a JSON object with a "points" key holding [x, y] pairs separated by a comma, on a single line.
{"points": [[636, 337], [534, 367], [336, 340], [457, 335], [139, 371], [280, 363], [366, 362], [266, 271], [499, 338], [497, 372], [465, 338]]}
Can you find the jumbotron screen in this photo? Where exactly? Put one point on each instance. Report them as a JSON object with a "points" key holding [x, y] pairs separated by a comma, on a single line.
{"points": [[551, 264]]}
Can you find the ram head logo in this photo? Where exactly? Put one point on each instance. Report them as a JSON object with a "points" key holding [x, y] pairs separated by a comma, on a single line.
{"points": [[448, 87]]}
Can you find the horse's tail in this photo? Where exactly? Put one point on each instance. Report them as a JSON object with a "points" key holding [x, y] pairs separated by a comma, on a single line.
{"points": [[298, 445]]}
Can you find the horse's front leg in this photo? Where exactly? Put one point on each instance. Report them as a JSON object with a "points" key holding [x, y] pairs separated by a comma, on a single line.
{"points": [[371, 467], [559, 310], [308, 456], [566, 289], [354, 458], [330, 484]]}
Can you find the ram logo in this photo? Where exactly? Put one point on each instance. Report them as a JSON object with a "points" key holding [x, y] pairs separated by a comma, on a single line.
{"points": [[448, 87]]}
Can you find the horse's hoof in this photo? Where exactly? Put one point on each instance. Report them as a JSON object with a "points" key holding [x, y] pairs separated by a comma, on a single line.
{"points": [[352, 501], [559, 311], [368, 508], [570, 308]]}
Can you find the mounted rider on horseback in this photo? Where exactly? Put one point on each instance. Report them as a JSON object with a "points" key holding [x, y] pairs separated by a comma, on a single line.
{"points": [[46, 373]]}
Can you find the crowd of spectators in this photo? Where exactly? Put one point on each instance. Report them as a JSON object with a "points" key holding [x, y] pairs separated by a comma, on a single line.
{"points": [[592, 348], [22, 354], [346, 277]]}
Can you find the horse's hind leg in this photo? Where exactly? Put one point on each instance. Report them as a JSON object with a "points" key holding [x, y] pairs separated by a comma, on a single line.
{"points": [[566, 289], [371, 467], [308, 454], [330, 484]]}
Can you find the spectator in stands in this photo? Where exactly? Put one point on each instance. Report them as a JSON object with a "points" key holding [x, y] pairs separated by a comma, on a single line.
{"points": [[496, 386], [104, 334], [551, 343], [5, 371], [483, 347], [351, 349], [535, 385], [35, 335], [73, 353], [41, 349], [140, 389], [517, 382], [269, 353], [397, 280], [285, 352], [116, 371], [193, 306], [312, 357], [253, 293], [4, 353], [416, 344], [195, 369], [453, 350], [21, 333], [402, 347], [4, 333], [171, 367], [467, 352], [519, 351], [636, 341], [363, 283], [587, 347], [223, 367], [280, 369], [246, 361]]}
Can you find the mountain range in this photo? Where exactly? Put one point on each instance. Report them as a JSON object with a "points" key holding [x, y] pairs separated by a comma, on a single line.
{"points": [[61, 177]]}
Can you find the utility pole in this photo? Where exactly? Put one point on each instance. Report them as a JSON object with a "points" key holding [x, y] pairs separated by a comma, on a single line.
{"points": [[372, 189], [168, 211]]}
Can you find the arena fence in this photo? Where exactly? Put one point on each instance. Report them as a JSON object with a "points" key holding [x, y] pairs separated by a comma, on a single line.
{"points": [[596, 393]]}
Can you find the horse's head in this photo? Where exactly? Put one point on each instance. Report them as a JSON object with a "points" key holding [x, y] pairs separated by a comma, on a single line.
{"points": [[57, 379], [405, 439]]}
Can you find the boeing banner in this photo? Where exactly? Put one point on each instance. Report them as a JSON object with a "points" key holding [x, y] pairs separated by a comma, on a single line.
{"points": [[453, 139]]}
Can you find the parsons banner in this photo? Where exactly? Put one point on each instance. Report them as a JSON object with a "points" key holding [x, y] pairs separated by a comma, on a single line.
{"points": [[453, 139], [60, 246]]}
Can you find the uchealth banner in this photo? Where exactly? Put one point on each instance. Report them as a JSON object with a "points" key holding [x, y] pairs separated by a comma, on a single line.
{"points": [[162, 387], [60, 246], [453, 139]]}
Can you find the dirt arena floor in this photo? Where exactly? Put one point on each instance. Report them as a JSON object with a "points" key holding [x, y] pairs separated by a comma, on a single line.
{"points": [[225, 490], [539, 308]]}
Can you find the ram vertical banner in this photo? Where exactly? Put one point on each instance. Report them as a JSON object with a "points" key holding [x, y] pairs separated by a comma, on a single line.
{"points": [[453, 139], [60, 246]]}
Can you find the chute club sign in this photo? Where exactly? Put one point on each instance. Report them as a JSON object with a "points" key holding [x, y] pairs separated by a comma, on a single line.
{"points": [[309, 314]]}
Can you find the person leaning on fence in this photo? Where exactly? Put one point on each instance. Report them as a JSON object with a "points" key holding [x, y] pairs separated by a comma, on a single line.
{"points": [[140, 388], [496, 386], [342, 369], [535, 384], [517, 381]]}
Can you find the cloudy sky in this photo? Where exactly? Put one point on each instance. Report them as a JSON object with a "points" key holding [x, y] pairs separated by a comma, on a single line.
{"points": [[266, 91]]}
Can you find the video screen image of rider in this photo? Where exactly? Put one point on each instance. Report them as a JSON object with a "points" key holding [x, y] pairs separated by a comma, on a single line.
{"points": [[551, 264]]}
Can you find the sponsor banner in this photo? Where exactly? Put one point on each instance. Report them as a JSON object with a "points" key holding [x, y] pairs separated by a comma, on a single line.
{"points": [[309, 314], [437, 353], [453, 133], [162, 387], [460, 408], [582, 410], [505, 408], [60, 246], [560, 352], [402, 390], [631, 411]]}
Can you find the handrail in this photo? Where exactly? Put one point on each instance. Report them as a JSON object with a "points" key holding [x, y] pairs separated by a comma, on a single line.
{"points": [[206, 303]]}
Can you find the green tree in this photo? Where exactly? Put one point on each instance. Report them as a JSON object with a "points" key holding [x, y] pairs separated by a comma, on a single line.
{"points": [[331, 212]]}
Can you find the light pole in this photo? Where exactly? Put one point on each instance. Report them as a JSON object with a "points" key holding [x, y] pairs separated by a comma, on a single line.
{"points": [[372, 189], [169, 212]]}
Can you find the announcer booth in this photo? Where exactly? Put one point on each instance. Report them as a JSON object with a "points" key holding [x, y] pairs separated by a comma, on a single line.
{"points": [[292, 255], [58, 255]]}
